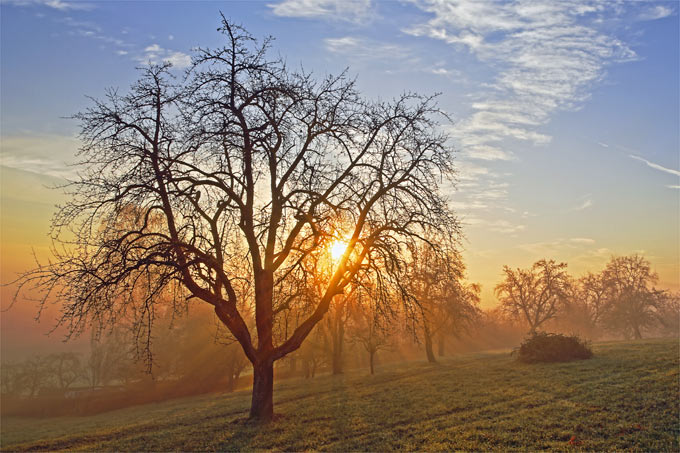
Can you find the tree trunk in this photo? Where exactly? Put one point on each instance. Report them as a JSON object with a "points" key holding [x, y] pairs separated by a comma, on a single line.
{"points": [[637, 334], [371, 356], [262, 407], [230, 383], [338, 336], [428, 344], [337, 360]]}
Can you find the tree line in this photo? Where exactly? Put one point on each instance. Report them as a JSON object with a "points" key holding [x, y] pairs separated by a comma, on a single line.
{"points": [[621, 299]]}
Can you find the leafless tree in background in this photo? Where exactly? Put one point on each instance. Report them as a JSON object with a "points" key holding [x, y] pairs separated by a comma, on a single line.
{"points": [[222, 187], [370, 328], [633, 304], [536, 294], [67, 368], [447, 304]]}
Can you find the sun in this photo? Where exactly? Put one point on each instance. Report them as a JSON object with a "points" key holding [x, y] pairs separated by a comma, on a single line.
{"points": [[338, 249]]}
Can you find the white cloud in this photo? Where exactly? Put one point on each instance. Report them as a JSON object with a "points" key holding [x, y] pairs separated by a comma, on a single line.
{"points": [[505, 227], [42, 154], [670, 186], [453, 74], [585, 241], [154, 54], [497, 226], [657, 12], [178, 60], [356, 11], [584, 205], [93, 31], [546, 54], [360, 48], [487, 152], [54, 4], [153, 48], [561, 246], [656, 166]]}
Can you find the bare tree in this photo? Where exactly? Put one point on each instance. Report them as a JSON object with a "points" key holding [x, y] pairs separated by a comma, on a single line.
{"points": [[460, 311], [36, 374], [239, 175], [633, 304], [447, 304], [66, 368], [336, 324], [536, 294], [370, 329], [592, 291], [668, 314], [313, 353], [12, 381], [111, 358]]}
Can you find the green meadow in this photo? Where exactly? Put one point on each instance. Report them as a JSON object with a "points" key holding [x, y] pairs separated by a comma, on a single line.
{"points": [[625, 398]]}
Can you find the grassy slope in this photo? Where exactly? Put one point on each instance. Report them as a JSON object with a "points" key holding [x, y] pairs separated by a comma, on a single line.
{"points": [[624, 398]]}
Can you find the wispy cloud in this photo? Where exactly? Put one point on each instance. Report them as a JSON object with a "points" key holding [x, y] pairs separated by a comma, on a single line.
{"points": [[557, 247], [584, 241], [46, 155], [154, 53], [54, 4], [656, 12], [487, 152], [357, 11], [362, 48], [585, 204], [656, 166], [546, 54], [505, 227]]}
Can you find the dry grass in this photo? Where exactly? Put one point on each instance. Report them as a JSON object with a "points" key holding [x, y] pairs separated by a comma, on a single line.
{"points": [[626, 397]]}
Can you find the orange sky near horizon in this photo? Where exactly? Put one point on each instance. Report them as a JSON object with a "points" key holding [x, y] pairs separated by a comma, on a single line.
{"points": [[27, 203]]}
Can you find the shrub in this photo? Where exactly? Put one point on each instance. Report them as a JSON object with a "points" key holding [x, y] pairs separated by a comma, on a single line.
{"points": [[552, 347]]}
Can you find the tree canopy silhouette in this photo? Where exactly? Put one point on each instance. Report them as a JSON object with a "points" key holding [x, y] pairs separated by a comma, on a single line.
{"points": [[537, 294], [223, 186]]}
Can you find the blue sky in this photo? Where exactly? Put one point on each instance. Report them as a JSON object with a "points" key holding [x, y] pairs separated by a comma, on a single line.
{"points": [[565, 114]]}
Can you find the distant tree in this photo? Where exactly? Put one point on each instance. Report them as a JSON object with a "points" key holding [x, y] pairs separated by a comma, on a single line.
{"points": [[369, 330], [534, 295], [592, 291], [446, 302], [336, 325], [36, 374], [668, 314], [11, 378], [586, 306], [461, 312], [238, 175], [633, 304], [66, 368], [313, 354], [111, 358]]}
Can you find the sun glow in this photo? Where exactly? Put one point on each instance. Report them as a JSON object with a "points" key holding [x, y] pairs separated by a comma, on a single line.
{"points": [[338, 249]]}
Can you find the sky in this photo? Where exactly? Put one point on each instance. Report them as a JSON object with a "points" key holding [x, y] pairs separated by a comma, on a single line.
{"points": [[564, 115]]}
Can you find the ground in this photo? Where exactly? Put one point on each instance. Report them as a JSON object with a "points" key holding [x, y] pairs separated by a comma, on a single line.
{"points": [[626, 397]]}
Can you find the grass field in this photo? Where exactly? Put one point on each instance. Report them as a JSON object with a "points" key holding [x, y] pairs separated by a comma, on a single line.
{"points": [[626, 397]]}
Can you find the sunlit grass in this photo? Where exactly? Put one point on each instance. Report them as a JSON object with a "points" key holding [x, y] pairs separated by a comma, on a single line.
{"points": [[626, 397]]}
